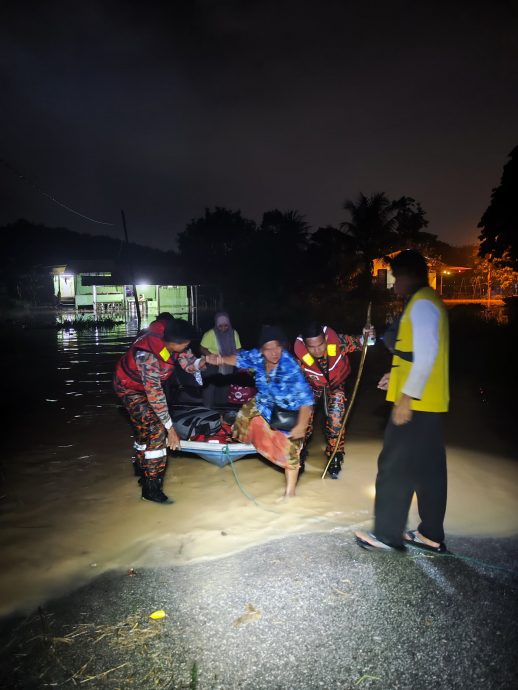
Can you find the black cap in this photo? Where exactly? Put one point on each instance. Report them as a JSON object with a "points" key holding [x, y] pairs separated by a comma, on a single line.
{"points": [[178, 331], [269, 333]]}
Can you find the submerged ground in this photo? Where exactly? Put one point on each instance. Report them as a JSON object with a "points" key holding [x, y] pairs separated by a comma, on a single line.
{"points": [[257, 594]]}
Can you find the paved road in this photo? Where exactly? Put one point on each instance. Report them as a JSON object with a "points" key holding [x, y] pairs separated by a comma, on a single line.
{"points": [[303, 612]]}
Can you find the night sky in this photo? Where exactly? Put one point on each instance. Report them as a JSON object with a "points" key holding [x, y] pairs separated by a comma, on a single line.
{"points": [[165, 109]]}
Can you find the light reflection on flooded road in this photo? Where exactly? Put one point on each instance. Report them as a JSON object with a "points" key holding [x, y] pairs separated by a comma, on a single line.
{"points": [[70, 507]]}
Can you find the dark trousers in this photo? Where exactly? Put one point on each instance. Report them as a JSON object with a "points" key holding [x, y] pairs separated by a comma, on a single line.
{"points": [[413, 459]]}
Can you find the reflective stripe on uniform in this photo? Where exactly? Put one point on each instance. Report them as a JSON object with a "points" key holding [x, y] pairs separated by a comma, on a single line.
{"points": [[337, 361], [312, 372], [139, 446], [159, 453]]}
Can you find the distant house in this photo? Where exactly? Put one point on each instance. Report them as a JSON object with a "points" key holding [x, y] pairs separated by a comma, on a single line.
{"points": [[437, 272], [383, 275], [104, 287]]}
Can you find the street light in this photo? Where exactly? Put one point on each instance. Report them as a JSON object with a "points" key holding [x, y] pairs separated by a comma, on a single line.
{"points": [[443, 273]]}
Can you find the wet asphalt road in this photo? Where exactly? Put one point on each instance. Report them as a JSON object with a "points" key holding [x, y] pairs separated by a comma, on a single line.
{"points": [[302, 612]]}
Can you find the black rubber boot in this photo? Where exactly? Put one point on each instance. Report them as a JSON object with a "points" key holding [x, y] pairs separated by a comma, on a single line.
{"points": [[160, 477], [152, 491], [138, 470], [336, 465]]}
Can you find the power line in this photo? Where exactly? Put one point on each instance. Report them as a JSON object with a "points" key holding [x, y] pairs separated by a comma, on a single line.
{"points": [[41, 191]]}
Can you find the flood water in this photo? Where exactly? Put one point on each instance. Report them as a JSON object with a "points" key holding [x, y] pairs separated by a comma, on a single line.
{"points": [[69, 503]]}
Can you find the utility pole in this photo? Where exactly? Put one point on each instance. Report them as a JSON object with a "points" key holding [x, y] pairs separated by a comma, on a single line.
{"points": [[132, 272]]}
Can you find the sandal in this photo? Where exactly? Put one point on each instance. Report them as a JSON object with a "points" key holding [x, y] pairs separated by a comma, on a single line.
{"points": [[376, 544], [412, 539]]}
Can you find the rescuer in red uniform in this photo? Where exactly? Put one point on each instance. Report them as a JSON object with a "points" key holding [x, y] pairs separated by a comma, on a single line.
{"points": [[322, 354], [138, 379]]}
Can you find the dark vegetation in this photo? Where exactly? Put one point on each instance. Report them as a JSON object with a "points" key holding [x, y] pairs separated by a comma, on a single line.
{"points": [[281, 270], [279, 266], [499, 236]]}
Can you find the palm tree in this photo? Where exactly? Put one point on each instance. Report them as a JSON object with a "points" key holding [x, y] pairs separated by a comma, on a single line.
{"points": [[372, 227], [287, 228]]}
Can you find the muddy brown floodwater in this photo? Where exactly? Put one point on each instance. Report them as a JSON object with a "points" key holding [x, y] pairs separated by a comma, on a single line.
{"points": [[70, 508]]}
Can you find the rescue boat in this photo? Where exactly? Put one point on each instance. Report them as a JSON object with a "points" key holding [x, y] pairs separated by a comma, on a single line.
{"points": [[205, 432], [217, 453]]}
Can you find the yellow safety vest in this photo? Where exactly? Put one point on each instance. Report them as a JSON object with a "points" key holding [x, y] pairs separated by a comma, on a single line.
{"points": [[436, 394]]}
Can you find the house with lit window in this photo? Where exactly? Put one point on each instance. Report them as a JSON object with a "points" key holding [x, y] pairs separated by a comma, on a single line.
{"points": [[383, 275], [105, 287], [438, 272]]}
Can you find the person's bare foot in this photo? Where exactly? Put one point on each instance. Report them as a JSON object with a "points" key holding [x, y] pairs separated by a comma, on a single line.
{"points": [[285, 498]]}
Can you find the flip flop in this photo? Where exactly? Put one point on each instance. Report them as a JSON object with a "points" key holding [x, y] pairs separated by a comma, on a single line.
{"points": [[377, 545], [412, 539]]}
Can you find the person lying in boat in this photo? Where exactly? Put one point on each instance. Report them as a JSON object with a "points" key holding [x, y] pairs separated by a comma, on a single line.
{"points": [[276, 420]]}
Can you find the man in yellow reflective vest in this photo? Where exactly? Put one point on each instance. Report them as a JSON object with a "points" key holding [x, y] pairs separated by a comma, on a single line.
{"points": [[413, 458]]}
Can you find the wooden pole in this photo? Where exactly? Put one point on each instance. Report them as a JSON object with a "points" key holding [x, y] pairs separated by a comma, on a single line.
{"points": [[130, 264], [355, 389]]}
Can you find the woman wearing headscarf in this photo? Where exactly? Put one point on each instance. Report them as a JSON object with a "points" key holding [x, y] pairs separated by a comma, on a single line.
{"points": [[276, 420], [221, 340]]}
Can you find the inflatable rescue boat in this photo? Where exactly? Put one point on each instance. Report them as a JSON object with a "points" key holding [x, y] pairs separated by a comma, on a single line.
{"points": [[205, 433]]}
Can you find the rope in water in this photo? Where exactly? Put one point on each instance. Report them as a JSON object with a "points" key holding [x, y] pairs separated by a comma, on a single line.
{"points": [[254, 500], [476, 561]]}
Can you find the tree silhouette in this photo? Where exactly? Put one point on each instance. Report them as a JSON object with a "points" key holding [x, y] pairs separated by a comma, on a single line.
{"points": [[28, 250], [333, 258], [502, 278], [215, 247], [285, 228], [378, 226], [371, 226], [282, 241], [499, 236], [409, 222]]}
